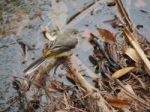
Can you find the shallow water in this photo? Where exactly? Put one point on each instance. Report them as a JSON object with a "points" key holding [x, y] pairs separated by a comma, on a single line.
{"points": [[24, 21]]}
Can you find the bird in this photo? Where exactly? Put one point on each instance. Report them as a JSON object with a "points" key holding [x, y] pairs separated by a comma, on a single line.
{"points": [[63, 46]]}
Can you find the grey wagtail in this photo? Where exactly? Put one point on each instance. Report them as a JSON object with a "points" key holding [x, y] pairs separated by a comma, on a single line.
{"points": [[61, 47]]}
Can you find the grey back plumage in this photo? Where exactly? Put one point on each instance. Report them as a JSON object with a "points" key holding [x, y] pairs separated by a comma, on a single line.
{"points": [[66, 41]]}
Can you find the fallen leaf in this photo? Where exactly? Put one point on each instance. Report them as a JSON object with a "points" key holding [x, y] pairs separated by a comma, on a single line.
{"points": [[6, 33], [130, 89], [107, 35], [49, 36], [122, 72], [132, 54], [93, 60], [91, 39], [123, 96], [118, 103]]}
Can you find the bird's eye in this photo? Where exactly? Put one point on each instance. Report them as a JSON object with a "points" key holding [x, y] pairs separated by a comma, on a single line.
{"points": [[75, 32]]}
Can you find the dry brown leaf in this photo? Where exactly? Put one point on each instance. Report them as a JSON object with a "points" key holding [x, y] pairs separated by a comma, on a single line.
{"points": [[5, 33], [118, 103], [133, 54], [106, 35], [123, 96], [49, 36], [122, 72], [130, 89]]}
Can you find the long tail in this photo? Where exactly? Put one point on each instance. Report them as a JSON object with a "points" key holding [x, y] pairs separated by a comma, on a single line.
{"points": [[34, 65]]}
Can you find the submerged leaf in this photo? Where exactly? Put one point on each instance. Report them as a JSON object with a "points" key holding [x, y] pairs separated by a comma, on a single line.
{"points": [[107, 35], [122, 72], [118, 103]]}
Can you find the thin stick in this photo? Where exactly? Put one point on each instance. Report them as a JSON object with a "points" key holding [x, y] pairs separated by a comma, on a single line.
{"points": [[77, 77], [78, 16], [124, 14], [78, 13]]}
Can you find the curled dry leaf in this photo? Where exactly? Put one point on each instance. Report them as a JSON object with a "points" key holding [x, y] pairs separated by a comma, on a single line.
{"points": [[123, 96], [122, 72], [132, 54], [130, 89], [107, 35], [49, 36], [118, 103]]}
